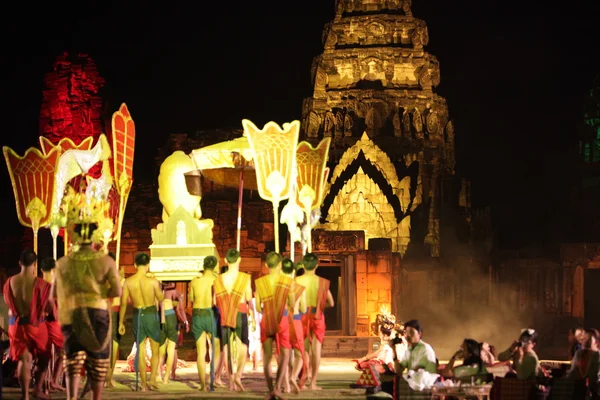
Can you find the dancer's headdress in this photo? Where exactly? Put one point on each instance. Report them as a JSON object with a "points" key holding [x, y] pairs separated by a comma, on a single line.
{"points": [[87, 218]]}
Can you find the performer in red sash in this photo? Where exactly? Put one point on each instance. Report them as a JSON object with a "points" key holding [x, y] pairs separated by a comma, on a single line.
{"points": [[318, 296], [27, 299], [273, 299], [233, 293], [296, 328]]}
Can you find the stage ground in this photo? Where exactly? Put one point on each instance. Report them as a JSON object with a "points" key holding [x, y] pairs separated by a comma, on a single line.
{"points": [[335, 378]]}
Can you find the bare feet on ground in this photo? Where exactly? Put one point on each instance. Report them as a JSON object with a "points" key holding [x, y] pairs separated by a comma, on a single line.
{"points": [[41, 395], [238, 383], [56, 388], [295, 387]]}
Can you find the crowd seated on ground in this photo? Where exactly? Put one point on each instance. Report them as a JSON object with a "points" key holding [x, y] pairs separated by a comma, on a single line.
{"points": [[404, 366]]}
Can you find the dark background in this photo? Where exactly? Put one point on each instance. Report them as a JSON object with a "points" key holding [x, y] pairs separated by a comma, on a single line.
{"points": [[515, 75]]}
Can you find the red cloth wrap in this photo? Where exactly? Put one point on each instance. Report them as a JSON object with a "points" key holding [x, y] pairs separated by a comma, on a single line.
{"points": [[297, 334], [31, 336], [282, 337], [312, 326], [55, 334]]}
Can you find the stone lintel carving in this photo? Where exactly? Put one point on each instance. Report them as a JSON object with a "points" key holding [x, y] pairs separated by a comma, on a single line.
{"points": [[344, 7], [394, 67], [347, 241]]}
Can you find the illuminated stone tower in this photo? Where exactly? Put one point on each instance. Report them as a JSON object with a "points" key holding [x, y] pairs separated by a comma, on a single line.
{"points": [[392, 139]]}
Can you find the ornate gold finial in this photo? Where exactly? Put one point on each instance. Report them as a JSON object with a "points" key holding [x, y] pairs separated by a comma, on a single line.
{"points": [[88, 219]]}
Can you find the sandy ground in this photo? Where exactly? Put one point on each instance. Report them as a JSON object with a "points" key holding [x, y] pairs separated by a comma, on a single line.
{"points": [[335, 378]]}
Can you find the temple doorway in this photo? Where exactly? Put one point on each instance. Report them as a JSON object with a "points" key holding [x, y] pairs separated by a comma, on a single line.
{"points": [[339, 269], [333, 272]]}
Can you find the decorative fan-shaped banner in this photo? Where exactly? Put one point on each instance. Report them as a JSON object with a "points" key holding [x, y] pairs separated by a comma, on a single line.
{"points": [[274, 155], [274, 159], [65, 144], [32, 178], [123, 144], [311, 175]]}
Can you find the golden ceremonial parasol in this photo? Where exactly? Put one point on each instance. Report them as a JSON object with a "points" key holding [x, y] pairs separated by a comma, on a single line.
{"points": [[230, 164], [58, 217], [311, 177], [274, 158], [32, 178], [123, 149]]}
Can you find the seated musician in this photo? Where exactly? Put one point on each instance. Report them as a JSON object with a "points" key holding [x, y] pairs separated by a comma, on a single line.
{"points": [[526, 363], [472, 364]]}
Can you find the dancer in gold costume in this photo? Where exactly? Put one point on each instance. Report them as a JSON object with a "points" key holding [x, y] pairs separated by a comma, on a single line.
{"points": [[85, 281]]}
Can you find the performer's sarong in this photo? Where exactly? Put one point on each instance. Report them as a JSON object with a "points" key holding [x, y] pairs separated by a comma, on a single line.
{"points": [[297, 332], [79, 349], [146, 324], [282, 337], [313, 326], [55, 335], [283, 333], [29, 332], [24, 336], [313, 321], [116, 336], [274, 303], [169, 330], [218, 331], [100, 325], [229, 303], [240, 330], [203, 320]]}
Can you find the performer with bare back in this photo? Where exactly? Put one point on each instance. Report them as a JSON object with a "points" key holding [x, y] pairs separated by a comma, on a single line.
{"points": [[233, 293], [54, 331], [318, 296], [172, 309], [85, 281], [27, 299], [203, 319], [274, 297], [296, 330], [145, 292], [116, 336]]}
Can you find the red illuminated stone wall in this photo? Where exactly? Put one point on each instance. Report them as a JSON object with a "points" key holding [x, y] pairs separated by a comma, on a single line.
{"points": [[71, 106]]}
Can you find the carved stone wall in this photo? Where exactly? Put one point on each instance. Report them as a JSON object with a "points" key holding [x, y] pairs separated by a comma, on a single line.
{"points": [[392, 137], [71, 106]]}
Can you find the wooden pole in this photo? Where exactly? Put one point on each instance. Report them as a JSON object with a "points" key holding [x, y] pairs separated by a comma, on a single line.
{"points": [[239, 217]]}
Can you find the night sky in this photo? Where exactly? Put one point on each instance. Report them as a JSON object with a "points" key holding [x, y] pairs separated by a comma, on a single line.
{"points": [[515, 75]]}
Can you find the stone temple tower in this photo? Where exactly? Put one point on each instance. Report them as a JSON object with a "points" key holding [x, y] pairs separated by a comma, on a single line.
{"points": [[392, 139]]}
